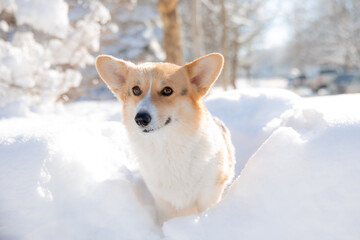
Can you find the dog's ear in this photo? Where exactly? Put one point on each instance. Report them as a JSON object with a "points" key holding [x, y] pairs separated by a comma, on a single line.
{"points": [[113, 71], [204, 71]]}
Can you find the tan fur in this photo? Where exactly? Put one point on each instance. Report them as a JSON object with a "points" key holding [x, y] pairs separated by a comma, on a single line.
{"points": [[163, 74], [226, 163]]}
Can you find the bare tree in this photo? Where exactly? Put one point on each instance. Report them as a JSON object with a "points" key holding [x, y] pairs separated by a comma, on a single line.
{"points": [[196, 27], [225, 44], [328, 36], [225, 26], [245, 26]]}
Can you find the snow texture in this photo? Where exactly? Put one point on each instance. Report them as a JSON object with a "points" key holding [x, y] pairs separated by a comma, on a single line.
{"points": [[235, 109], [26, 74], [8, 6], [135, 33], [49, 16], [38, 69], [70, 175]]}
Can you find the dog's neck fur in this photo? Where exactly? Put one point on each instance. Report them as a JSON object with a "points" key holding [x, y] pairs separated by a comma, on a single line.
{"points": [[171, 161]]}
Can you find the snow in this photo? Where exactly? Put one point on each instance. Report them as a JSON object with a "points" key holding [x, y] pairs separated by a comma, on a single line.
{"points": [[85, 36], [236, 108], [8, 6], [26, 72], [296, 186], [69, 174], [44, 53], [135, 33], [49, 16], [47, 184]]}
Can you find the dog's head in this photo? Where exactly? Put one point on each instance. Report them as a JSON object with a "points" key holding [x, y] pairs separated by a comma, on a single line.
{"points": [[156, 96]]}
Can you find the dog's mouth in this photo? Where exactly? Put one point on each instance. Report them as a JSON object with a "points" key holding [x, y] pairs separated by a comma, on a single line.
{"points": [[153, 129]]}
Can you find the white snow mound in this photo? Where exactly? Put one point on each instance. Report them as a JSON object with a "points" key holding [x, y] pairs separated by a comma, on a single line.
{"points": [[70, 175]]}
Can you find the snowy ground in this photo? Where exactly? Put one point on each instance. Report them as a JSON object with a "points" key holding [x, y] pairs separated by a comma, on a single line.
{"points": [[70, 175]]}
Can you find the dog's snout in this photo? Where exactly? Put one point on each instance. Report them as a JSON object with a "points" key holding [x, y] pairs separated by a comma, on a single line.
{"points": [[142, 119]]}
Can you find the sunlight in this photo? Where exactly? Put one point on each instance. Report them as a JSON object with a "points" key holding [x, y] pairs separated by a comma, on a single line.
{"points": [[276, 36]]}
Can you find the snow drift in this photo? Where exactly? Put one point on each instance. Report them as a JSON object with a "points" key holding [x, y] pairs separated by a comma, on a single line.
{"points": [[296, 186], [69, 175]]}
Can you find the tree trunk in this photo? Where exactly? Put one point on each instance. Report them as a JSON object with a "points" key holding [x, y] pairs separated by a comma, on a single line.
{"points": [[196, 28], [234, 60], [225, 45], [172, 36]]}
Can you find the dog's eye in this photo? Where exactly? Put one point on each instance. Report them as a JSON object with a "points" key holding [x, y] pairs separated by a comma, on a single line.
{"points": [[136, 91], [167, 91]]}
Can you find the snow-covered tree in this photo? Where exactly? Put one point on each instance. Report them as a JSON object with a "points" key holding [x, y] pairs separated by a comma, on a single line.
{"points": [[134, 33], [44, 47], [48, 47]]}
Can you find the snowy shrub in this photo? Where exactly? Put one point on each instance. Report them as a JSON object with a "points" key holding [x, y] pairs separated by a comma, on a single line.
{"points": [[47, 16], [26, 72], [48, 47], [135, 32], [43, 52]]}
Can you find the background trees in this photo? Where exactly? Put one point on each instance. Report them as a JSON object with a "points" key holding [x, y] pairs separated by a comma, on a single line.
{"points": [[172, 36], [226, 26], [325, 33], [47, 47]]}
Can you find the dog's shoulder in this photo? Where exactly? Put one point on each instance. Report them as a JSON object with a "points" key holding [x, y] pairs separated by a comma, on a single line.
{"points": [[221, 125], [227, 154]]}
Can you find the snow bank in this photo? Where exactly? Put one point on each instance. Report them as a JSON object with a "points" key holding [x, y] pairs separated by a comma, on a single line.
{"points": [[247, 113], [302, 183], [70, 175], [66, 179], [296, 186]]}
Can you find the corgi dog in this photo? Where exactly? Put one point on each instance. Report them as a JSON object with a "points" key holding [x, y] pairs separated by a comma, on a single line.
{"points": [[185, 155]]}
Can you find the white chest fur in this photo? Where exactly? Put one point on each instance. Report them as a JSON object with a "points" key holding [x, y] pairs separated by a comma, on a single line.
{"points": [[177, 167]]}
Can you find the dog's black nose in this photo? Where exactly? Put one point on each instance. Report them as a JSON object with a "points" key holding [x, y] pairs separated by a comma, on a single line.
{"points": [[142, 119]]}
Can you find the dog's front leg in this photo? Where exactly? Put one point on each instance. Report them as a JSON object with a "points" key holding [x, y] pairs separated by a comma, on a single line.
{"points": [[166, 210]]}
